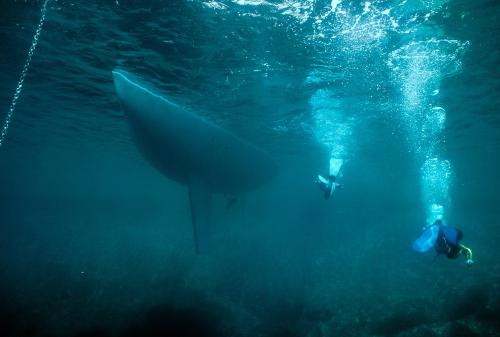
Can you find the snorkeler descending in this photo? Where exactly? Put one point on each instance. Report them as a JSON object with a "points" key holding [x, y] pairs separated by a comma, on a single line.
{"points": [[329, 184], [445, 240]]}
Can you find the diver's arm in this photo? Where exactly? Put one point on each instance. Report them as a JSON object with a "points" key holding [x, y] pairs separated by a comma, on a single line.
{"points": [[467, 253]]}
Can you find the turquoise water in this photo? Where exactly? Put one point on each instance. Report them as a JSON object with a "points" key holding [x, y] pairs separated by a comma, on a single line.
{"points": [[95, 242]]}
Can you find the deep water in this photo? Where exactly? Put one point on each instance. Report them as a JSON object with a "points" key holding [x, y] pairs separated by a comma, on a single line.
{"points": [[95, 242]]}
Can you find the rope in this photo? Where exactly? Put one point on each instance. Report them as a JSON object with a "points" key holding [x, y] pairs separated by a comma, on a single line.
{"points": [[26, 68]]}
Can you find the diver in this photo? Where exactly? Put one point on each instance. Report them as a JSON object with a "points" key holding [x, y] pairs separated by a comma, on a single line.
{"points": [[448, 243], [445, 240], [329, 184]]}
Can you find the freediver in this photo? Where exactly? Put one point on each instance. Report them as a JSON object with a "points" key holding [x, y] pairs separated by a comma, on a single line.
{"points": [[329, 184], [445, 240]]}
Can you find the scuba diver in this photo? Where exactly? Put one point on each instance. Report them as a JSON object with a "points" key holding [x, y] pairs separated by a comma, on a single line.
{"points": [[445, 240], [329, 184]]}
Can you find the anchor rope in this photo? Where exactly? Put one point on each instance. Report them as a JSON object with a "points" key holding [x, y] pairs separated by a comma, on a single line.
{"points": [[26, 68]]}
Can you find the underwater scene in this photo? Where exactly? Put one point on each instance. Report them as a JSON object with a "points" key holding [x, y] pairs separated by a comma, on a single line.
{"points": [[249, 168]]}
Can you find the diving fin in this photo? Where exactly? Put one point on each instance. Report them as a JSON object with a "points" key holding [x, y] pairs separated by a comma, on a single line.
{"points": [[335, 166], [426, 239]]}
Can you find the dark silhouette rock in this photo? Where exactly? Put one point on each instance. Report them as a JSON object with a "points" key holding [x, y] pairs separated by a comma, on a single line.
{"points": [[469, 303], [97, 332], [398, 322], [166, 321]]}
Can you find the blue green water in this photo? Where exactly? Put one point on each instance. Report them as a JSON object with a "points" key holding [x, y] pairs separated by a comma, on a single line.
{"points": [[96, 242]]}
